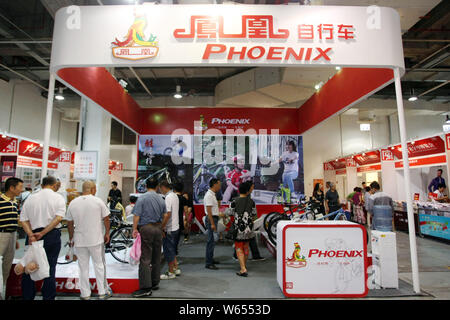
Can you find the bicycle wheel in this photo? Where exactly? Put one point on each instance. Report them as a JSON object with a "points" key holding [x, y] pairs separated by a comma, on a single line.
{"points": [[267, 219], [272, 232], [201, 186], [120, 243], [141, 186]]}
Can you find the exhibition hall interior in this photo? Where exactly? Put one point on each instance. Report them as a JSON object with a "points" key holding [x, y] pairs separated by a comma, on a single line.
{"points": [[211, 149]]}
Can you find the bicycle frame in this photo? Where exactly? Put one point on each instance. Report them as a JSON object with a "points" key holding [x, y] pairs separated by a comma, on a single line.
{"points": [[338, 213]]}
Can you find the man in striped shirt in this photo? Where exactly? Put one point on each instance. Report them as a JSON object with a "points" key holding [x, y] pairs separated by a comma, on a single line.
{"points": [[9, 223]]}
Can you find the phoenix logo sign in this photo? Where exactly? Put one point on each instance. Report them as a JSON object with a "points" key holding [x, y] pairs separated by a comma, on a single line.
{"points": [[135, 47]]}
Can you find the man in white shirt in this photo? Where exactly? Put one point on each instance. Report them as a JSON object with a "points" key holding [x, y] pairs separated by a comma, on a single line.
{"points": [[212, 218], [85, 217], [41, 215], [439, 192], [170, 227]]}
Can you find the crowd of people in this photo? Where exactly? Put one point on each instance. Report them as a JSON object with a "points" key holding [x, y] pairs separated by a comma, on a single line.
{"points": [[161, 216], [365, 202]]}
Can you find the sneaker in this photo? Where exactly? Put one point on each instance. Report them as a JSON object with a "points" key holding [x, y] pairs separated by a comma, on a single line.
{"points": [[258, 259], [142, 293], [155, 287], [85, 298], [105, 296], [177, 272], [168, 276], [235, 259], [186, 240]]}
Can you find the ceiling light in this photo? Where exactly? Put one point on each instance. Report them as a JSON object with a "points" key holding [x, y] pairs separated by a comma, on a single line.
{"points": [[59, 95], [336, 160], [363, 154], [413, 98], [178, 94], [338, 68], [446, 125], [318, 86], [123, 83], [364, 127], [41, 145], [3, 135]]}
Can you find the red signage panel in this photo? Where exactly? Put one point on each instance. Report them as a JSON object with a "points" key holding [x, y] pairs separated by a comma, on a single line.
{"points": [[387, 155], [423, 147], [35, 150], [370, 157], [8, 145], [440, 159], [350, 162], [374, 167]]}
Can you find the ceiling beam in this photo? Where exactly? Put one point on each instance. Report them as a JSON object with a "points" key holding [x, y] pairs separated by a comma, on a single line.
{"points": [[140, 81]]}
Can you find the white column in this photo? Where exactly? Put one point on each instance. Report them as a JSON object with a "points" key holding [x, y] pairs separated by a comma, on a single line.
{"points": [[97, 133], [48, 124], [409, 205], [352, 176], [388, 174]]}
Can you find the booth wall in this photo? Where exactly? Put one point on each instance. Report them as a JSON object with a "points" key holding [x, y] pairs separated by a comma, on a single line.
{"points": [[22, 104]]}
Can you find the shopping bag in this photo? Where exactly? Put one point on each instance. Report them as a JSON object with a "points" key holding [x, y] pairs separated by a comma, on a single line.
{"points": [[40, 257], [135, 252]]}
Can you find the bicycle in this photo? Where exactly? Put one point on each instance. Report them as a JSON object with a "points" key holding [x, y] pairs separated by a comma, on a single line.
{"points": [[300, 212], [203, 174], [141, 186], [120, 240]]}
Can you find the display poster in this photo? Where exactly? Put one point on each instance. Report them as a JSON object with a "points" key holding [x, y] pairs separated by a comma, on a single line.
{"points": [[272, 162], [436, 226], [8, 167], [85, 166], [165, 157]]}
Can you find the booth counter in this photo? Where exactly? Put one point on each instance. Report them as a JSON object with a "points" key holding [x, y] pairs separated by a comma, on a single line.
{"points": [[322, 259]]}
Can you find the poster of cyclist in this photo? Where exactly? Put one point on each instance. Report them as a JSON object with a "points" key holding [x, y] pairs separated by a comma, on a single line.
{"points": [[165, 157], [273, 163]]}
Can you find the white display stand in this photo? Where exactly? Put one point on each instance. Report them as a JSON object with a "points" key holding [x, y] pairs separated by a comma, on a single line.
{"points": [[322, 259], [384, 259]]}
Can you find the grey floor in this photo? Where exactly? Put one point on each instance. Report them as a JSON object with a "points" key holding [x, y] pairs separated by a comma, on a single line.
{"points": [[198, 282]]}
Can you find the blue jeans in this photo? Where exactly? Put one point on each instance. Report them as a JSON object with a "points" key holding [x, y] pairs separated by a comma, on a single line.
{"points": [[169, 249], [210, 244], [288, 179], [52, 246]]}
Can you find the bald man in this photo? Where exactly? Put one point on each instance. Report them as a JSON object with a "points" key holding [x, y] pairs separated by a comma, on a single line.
{"points": [[86, 215]]}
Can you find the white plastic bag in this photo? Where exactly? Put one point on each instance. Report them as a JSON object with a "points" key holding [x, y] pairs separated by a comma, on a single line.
{"points": [[40, 257]]}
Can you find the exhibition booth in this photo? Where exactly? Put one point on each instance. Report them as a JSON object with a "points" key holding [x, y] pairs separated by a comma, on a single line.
{"points": [[426, 156], [193, 144]]}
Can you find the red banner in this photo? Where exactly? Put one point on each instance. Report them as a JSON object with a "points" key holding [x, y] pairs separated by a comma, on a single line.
{"points": [[375, 167], [441, 159], [35, 150], [447, 138], [8, 145], [423, 147], [31, 163], [370, 157], [341, 171]]}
